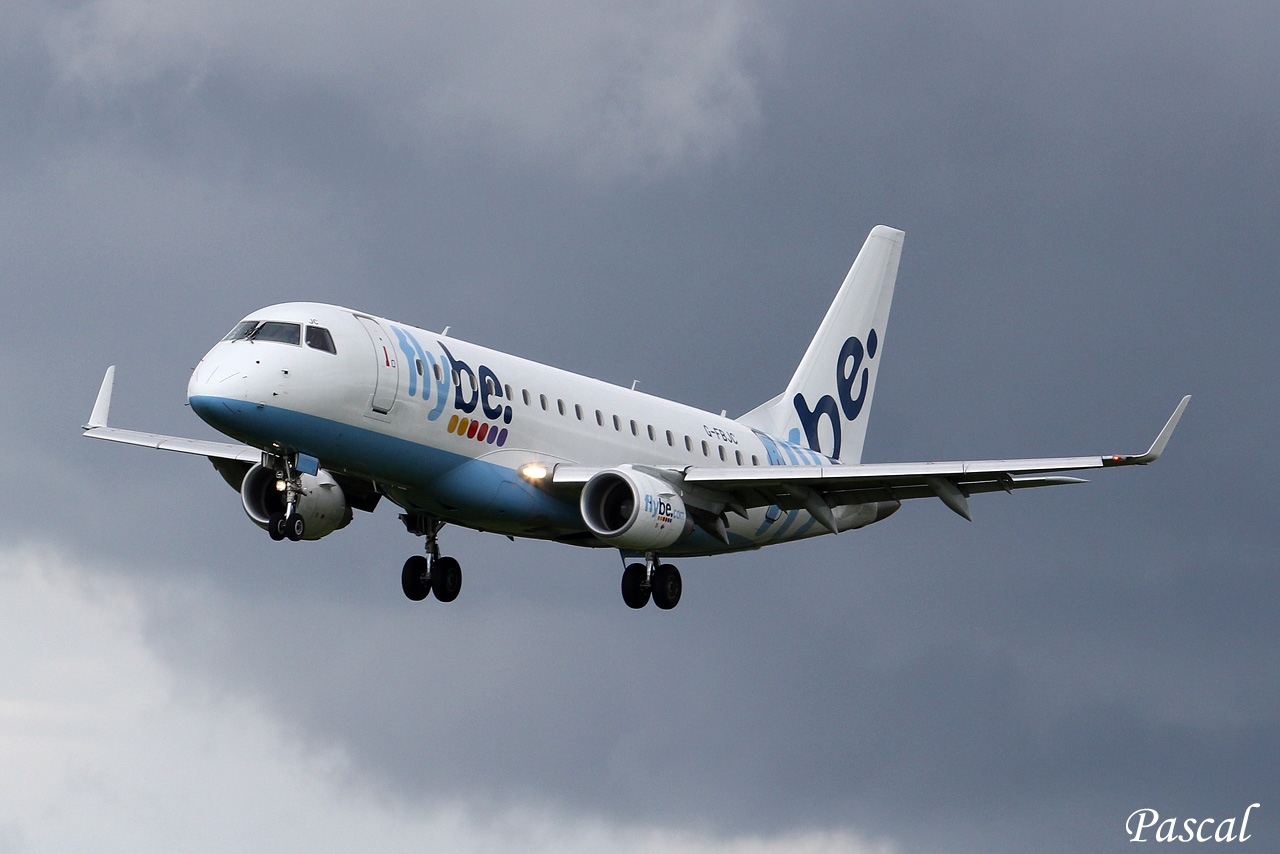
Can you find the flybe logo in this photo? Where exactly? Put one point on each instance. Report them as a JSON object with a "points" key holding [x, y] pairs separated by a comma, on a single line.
{"points": [[474, 389], [660, 510], [851, 375]]}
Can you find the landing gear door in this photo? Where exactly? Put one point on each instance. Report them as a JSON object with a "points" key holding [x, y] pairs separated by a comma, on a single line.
{"points": [[387, 379]]}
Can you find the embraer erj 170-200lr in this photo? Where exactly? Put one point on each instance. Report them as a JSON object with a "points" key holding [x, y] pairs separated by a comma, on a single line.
{"points": [[337, 409]]}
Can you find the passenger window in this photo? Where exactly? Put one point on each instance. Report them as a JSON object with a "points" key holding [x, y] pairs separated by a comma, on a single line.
{"points": [[457, 380], [242, 330], [543, 399], [755, 461], [318, 338], [283, 333], [671, 440], [599, 418], [417, 362], [560, 404], [436, 370], [617, 424], [524, 393], [706, 449], [653, 437], [737, 455], [722, 456], [509, 395], [688, 443]]}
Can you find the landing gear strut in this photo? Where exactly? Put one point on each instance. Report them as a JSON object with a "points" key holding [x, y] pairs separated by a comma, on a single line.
{"points": [[289, 523], [430, 573], [661, 581]]}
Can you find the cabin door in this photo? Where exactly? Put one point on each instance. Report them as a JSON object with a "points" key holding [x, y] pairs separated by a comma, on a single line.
{"points": [[387, 379]]}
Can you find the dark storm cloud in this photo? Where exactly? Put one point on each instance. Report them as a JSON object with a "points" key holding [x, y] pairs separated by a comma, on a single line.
{"points": [[1088, 194]]}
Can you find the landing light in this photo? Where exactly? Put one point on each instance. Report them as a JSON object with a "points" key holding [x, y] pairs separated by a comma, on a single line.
{"points": [[280, 486], [533, 471]]}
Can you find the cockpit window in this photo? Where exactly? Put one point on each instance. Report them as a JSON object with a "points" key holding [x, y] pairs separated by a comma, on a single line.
{"points": [[318, 338], [285, 333], [242, 330]]}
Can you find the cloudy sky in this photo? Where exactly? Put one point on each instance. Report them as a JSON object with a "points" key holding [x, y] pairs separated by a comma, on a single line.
{"points": [[668, 192]]}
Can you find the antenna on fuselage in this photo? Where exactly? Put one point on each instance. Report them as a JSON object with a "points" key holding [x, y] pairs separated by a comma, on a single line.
{"points": [[446, 331], [634, 383]]}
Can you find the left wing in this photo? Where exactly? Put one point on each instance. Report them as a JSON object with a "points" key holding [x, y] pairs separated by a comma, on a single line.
{"points": [[818, 489]]}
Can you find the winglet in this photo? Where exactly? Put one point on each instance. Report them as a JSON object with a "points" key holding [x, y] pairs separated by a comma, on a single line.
{"points": [[1157, 447], [102, 407]]}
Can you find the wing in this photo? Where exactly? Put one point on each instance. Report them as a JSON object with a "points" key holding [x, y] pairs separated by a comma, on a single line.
{"points": [[97, 429], [818, 489]]}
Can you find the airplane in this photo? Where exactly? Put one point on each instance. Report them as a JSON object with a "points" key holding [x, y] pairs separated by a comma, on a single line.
{"points": [[333, 409]]}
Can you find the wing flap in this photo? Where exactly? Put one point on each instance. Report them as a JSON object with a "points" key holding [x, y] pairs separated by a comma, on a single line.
{"points": [[887, 474]]}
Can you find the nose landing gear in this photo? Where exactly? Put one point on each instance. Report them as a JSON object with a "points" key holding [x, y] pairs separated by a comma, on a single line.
{"points": [[287, 524], [430, 573]]}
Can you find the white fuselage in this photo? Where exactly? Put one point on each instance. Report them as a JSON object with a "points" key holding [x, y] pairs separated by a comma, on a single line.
{"points": [[443, 427]]}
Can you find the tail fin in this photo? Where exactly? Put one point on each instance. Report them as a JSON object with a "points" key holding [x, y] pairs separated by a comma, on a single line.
{"points": [[837, 376]]}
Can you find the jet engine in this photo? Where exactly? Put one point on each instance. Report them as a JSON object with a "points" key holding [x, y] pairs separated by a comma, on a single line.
{"points": [[629, 509], [321, 504]]}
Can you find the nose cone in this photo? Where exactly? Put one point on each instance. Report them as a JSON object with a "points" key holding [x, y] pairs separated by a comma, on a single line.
{"points": [[217, 391], [214, 377]]}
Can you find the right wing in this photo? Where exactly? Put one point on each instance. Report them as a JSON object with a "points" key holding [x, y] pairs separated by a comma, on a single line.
{"points": [[97, 428]]}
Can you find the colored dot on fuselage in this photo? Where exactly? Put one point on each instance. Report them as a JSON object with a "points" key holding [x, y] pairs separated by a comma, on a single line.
{"points": [[471, 431], [482, 432]]}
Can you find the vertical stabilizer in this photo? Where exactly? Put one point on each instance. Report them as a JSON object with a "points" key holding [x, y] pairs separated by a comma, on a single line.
{"points": [[827, 402]]}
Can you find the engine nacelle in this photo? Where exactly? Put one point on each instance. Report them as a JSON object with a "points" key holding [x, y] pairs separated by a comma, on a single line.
{"points": [[321, 505], [629, 509]]}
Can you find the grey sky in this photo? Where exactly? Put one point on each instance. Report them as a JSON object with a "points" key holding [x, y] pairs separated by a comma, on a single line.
{"points": [[668, 192]]}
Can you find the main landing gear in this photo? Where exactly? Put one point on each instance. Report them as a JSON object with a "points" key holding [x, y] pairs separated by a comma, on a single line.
{"points": [[424, 574], [661, 581]]}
